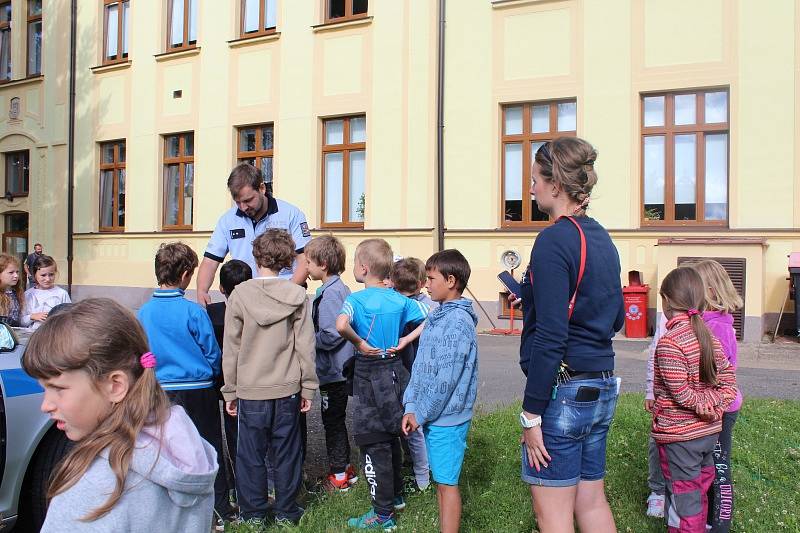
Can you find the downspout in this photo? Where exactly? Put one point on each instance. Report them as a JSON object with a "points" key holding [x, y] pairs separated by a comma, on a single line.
{"points": [[440, 132], [73, 30]]}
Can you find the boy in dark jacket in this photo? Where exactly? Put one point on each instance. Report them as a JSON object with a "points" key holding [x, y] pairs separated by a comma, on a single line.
{"points": [[326, 258]]}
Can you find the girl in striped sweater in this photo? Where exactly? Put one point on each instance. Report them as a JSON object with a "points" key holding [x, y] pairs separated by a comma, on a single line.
{"points": [[693, 385]]}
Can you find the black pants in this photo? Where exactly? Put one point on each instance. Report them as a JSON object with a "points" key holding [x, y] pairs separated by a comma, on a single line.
{"points": [[382, 465], [269, 427], [334, 412], [720, 495], [202, 406]]}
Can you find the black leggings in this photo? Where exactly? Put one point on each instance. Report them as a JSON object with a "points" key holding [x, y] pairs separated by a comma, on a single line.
{"points": [[720, 495]]}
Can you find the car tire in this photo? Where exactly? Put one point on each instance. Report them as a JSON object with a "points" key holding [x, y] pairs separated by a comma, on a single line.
{"points": [[33, 497]]}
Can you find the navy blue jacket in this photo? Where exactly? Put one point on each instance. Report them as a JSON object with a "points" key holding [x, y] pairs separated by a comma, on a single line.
{"points": [[548, 336]]}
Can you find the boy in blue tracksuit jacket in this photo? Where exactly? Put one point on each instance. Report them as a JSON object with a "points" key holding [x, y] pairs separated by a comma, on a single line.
{"points": [[444, 380], [188, 358]]}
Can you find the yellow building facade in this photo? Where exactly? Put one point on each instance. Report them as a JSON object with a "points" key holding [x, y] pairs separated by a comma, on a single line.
{"points": [[694, 108]]}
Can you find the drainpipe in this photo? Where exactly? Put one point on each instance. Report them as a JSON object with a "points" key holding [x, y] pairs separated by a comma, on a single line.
{"points": [[73, 30], [440, 132]]}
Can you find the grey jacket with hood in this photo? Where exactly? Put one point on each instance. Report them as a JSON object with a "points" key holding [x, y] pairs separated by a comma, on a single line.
{"points": [[332, 350], [170, 486]]}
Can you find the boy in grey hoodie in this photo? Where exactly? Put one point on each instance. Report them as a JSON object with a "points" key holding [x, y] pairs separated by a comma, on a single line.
{"points": [[268, 365], [444, 380]]}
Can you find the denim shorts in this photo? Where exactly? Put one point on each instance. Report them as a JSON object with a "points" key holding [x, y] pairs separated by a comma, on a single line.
{"points": [[574, 435], [446, 446]]}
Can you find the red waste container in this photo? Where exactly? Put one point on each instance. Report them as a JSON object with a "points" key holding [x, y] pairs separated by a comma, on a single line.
{"points": [[635, 300]]}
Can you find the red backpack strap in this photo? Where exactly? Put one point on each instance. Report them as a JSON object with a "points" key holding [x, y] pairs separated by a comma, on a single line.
{"points": [[581, 269]]}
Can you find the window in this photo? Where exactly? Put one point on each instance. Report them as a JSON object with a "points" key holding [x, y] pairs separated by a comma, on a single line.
{"points": [[17, 173], [117, 29], [685, 158], [178, 180], [5, 41], [526, 127], [112, 186], [344, 151], [255, 146], [34, 37], [342, 10], [258, 17], [182, 24]]}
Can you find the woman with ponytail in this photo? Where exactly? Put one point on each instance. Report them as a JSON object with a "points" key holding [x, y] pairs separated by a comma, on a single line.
{"points": [[138, 465], [693, 384]]}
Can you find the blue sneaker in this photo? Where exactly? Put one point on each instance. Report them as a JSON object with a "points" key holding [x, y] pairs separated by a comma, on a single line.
{"points": [[370, 520], [399, 503]]}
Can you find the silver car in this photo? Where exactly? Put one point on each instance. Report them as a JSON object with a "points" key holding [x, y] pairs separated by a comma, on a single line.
{"points": [[30, 446]]}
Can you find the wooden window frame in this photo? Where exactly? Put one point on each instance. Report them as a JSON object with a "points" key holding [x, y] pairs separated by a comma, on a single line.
{"points": [[116, 166], [31, 20], [527, 138], [6, 27], [668, 131], [23, 191], [348, 13], [181, 161], [186, 44], [345, 149], [258, 154], [121, 56], [262, 16]]}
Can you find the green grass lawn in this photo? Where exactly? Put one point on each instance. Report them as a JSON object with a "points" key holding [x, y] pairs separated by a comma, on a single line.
{"points": [[766, 470]]}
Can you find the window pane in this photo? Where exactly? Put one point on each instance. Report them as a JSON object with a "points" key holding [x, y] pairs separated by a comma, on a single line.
{"points": [[358, 129], [335, 8], [540, 119], [193, 20], [122, 152], [5, 54], [188, 193], [126, 26], [107, 150], [567, 116], [357, 180], [685, 109], [654, 165], [512, 172], [112, 27], [5, 12], [513, 120], [270, 19], [266, 169], [716, 197], [172, 146], [247, 140], [176, 29], [121, 198], [34, 7], [188, 144], [537, 215], [654, 111], [35, 47], [250, 16], [171, 191], [267, 138], [334, 131], [716, 107], [333, 187], [106, 198], [685, 177], [359, 7]]}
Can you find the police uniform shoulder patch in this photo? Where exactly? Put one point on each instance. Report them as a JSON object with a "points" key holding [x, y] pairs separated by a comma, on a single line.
{"points": [[304, 229]]}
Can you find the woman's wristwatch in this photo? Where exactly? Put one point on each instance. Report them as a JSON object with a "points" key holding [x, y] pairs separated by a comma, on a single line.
{"points": [[528, 423]]}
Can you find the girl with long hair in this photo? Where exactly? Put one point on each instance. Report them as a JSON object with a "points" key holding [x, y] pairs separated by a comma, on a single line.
{"points": [[45, 295], [12, 290]]}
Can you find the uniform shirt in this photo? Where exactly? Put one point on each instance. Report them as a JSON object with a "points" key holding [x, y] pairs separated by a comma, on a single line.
{"points": [[379, 315], [235, 233]]}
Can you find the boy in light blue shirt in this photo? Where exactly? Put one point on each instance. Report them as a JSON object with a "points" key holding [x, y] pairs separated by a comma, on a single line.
{"points": [[444, 380]]}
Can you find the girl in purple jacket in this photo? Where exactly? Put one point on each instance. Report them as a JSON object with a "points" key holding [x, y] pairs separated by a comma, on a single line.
{"points": [[721, 300]]}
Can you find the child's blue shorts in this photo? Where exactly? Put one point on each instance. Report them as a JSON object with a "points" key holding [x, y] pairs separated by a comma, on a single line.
{"points": [[446, 446]]}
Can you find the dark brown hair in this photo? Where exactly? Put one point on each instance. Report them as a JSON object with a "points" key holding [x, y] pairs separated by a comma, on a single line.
{"points": [[327, 251], [233, 273], [43, 261], [245, 175], [684, 291], [99, 336], [377, 256], [172, 260], [274, 249], [408, 274], [569, 162], [18, 289], [451, 263]]}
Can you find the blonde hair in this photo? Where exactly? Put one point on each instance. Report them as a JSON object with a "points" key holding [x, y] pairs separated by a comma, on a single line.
{"points": [[377, 256], [723, 296], [327, 251], [99, 336], [18, 289]]}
